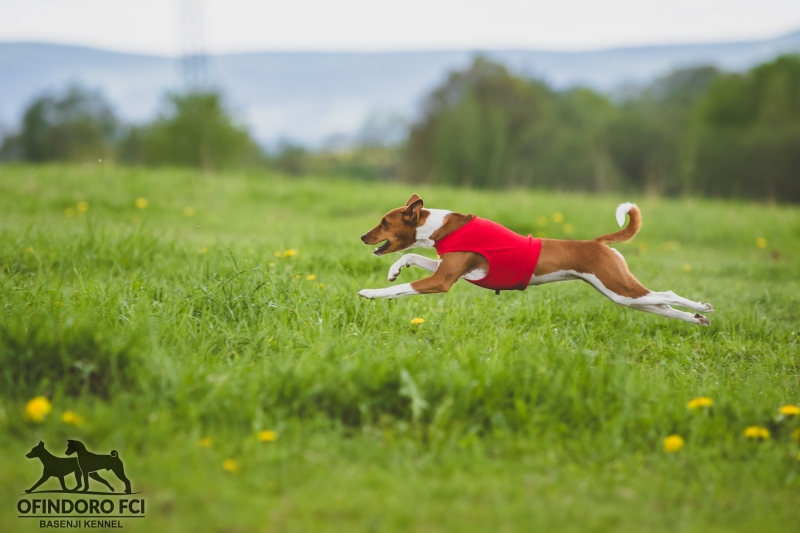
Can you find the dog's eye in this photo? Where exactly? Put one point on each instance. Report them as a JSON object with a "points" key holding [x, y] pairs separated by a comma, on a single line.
{"points": [[384, 223]]}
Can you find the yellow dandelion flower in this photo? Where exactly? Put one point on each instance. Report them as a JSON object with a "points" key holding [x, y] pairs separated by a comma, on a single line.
{"points": [[267, 436], [558, 218], [83, 207], [789, 410], [296, 276], [796, 434], [290, 253], [203, 250], [69, 212], [68, 417], [38, 408], [568, 228], [205, 442], [321, 285], [687, 267], [673, 443], [229, 465], [761, 242], [311, 277], [29, 249], [542, 221], [188, 211], [541, 235], [417, 321], [141, 203], [702, 401], [756, 432]]}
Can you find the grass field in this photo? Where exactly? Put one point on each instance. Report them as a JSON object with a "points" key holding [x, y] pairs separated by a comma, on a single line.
{"points": [[177, 335]]}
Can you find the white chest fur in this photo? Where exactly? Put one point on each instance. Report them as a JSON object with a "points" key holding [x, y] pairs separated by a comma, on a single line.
{"points": [[434, 221]]}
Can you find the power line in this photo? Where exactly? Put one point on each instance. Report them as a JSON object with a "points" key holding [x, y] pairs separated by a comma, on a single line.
{"points": [[194, 61]]}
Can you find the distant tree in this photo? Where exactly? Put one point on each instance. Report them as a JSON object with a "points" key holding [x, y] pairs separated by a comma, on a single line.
{"points": [[291, 159], [485, 127], [195, 130], [76, 126], [748, 130]]}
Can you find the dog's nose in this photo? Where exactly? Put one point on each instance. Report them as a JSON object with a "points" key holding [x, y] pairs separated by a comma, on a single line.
{"points": [[364, 238]]}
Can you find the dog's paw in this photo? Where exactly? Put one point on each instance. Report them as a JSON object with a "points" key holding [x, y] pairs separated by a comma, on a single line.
{"points": [[369, 294], [703, 321], [707, 308], [395, 269], [28, 491]]}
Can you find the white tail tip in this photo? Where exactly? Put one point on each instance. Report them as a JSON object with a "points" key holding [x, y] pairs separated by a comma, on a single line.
{"points": [[622, 210]]}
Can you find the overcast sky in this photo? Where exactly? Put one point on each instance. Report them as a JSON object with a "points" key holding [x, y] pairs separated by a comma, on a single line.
{"points": [[154, 26]]}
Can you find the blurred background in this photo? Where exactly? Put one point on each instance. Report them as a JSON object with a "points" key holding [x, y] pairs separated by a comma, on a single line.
{"points": [[664, 98]]}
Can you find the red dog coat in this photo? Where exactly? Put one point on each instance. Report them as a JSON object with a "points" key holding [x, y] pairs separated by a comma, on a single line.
{"points": [[512, 257]]}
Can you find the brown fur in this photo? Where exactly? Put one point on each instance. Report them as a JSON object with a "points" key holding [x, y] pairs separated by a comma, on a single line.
{"points": [[571, 258], [589, 257]]}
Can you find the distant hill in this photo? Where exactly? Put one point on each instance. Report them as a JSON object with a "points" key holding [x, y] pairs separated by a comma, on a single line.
{"points": [[308, 97]]}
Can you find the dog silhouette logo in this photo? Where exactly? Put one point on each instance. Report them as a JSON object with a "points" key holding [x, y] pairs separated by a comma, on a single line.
{"points": [[84, 465]]}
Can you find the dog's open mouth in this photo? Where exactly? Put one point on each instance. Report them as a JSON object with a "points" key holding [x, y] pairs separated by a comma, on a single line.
{"points": [[382, 248]]}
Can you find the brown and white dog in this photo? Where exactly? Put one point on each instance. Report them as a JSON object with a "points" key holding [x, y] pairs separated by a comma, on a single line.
{"points": [[603, 267]]}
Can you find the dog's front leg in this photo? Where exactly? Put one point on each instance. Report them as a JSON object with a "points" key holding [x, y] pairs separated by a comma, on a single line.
{"points": [[451, 267], [412, 260], [44, 478], [389, 292]]}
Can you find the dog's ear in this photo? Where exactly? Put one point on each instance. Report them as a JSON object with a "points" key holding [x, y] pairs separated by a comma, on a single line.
{"points": [[41, 443], [411, 212], [413, 199]]}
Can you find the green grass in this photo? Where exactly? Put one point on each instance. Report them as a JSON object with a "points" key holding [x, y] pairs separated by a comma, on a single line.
{"points": [[539, 410]]}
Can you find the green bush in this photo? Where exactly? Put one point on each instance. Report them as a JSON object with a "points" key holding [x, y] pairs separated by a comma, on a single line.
{"points": [[195, 131]]}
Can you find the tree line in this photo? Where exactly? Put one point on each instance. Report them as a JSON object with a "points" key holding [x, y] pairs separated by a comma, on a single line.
{"points": [[693, 131]]}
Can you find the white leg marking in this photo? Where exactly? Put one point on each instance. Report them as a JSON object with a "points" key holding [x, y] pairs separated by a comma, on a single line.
{"points": [[412, 260], [670, 298], [389, 292], [560, 275], [475, 275], [653, 302], [667, 311]]}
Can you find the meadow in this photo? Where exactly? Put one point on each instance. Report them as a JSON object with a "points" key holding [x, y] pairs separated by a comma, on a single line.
{"points": [[208, 328]]}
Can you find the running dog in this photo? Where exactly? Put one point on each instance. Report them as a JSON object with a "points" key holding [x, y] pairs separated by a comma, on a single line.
{"points": [[90, 462], [494, 257], [59, 467]]}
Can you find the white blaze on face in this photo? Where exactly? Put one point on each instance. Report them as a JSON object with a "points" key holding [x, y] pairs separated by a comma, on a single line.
{"points": [[434, 221]]}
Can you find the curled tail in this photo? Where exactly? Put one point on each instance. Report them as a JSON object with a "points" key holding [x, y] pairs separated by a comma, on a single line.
{"points": [[114, 453], [628, 232]]}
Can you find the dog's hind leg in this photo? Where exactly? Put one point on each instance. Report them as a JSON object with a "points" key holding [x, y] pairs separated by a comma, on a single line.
{"points": [[96, 477], [63, 485], [77, 481], [670, 298], [667, 311], [44, 478], [412, 260], [120, 472]]}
